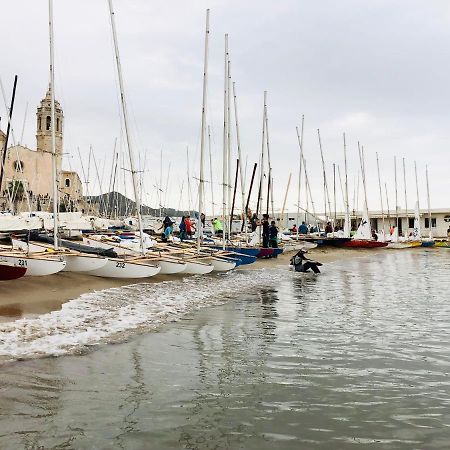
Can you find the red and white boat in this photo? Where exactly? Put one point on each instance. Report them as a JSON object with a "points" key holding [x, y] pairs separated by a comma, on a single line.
{"points": [[11, 272]]}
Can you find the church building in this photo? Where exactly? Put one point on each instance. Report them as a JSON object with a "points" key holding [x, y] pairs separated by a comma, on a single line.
{"points": [[27, 181]]}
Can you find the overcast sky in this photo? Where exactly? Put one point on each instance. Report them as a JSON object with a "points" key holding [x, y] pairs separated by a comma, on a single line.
{"points": [[377, 70]]}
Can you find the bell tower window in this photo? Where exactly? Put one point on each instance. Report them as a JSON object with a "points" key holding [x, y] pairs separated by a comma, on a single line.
{"points": [[48, 122], [39, 124], [57, 124], [67, 182]]}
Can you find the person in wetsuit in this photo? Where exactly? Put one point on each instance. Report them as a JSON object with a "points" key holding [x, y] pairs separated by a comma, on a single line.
{"points": [[302, 264]]}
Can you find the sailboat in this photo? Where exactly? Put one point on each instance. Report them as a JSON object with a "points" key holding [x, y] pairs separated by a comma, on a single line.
{"points": [[395, 241], [127, 267], [145, 261], [426, 242], [36, 256], [11, 271], [42, 263], [363, 236]]}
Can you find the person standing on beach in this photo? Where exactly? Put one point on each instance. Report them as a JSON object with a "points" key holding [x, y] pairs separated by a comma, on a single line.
{"points": [[254, 222], [182, 228], [189, 227], [273, 235], [217, 225]]}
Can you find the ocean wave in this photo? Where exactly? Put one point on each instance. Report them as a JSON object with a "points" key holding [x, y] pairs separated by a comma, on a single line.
{"points": [[115, 314]]}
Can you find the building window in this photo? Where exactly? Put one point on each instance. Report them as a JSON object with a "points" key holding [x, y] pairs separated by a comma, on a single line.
{"points": [[39, 123], [427, 222], [18, 166], [67, 182], [49, 120], [57, 124], [411, 222]]}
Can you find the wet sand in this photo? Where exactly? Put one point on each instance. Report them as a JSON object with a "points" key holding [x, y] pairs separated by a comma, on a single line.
{"points": [[39, 295]]}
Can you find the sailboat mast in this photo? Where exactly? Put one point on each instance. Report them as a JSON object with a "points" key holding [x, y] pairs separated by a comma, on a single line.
{"points": [[396, 191], [241, 172], [325, 184], [387, 204], [417, 214], [381, 193], [229, 183], [55, 173], [406, 199], [429, 204], [189, 191], [225, 167], [347, 224], [211, 172], [334, 196], [417, 183], [285, 198], [270, 166], [300, 143], [363, 176], [127, 130], [202, 139], [261, 167]]}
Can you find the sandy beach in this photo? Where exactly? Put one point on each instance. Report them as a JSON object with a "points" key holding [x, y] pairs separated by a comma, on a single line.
{"points": [[40, 295]]}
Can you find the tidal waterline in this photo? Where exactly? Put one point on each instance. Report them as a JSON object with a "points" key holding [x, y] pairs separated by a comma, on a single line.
{"points": [[357, 357]]}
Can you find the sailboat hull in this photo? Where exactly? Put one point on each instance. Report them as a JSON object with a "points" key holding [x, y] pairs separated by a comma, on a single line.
{"points": [[83, 263], [361, 243], [222, 265], [168, 267], [10, 272], [265, 252], [116, 268], [401, 245], [35, 267], [197, 268]]}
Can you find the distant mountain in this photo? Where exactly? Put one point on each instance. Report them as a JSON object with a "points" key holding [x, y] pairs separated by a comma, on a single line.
{"points": [[117, 205]]}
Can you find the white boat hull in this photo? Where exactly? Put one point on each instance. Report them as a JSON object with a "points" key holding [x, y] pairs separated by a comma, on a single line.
{"points": [[36, 267], [400, 245], [222, 265], [197, 268], [116, 268], [83, 263], [171, 267]]}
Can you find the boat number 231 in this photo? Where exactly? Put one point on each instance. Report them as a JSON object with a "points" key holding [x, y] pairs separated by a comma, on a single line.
{"points": [[22, 262]]}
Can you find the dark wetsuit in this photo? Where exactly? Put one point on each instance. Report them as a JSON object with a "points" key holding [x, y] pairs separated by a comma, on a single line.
{"points": [[302, 264]]}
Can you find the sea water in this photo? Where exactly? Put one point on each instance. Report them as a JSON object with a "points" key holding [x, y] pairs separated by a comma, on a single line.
{"points": [[358, 357]]}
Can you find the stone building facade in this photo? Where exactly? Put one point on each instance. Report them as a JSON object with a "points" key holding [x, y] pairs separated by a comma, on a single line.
{"points": [[28, 172]]}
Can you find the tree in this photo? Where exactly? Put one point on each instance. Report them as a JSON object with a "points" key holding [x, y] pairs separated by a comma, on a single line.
{"points": [[16, 190]]}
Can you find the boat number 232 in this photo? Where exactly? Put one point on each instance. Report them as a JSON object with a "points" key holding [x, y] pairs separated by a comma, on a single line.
{"points": [[120, 265]]}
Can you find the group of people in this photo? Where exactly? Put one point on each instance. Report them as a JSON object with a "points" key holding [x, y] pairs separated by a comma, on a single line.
{"points": [[304, 229], [187, 227], [269, 232]]}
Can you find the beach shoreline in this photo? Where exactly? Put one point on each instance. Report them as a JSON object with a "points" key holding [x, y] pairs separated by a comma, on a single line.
{"points": [[30, 296]]}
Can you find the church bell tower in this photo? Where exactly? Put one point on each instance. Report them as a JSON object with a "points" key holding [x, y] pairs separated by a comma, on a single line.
{"points": [[44, 124]]}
